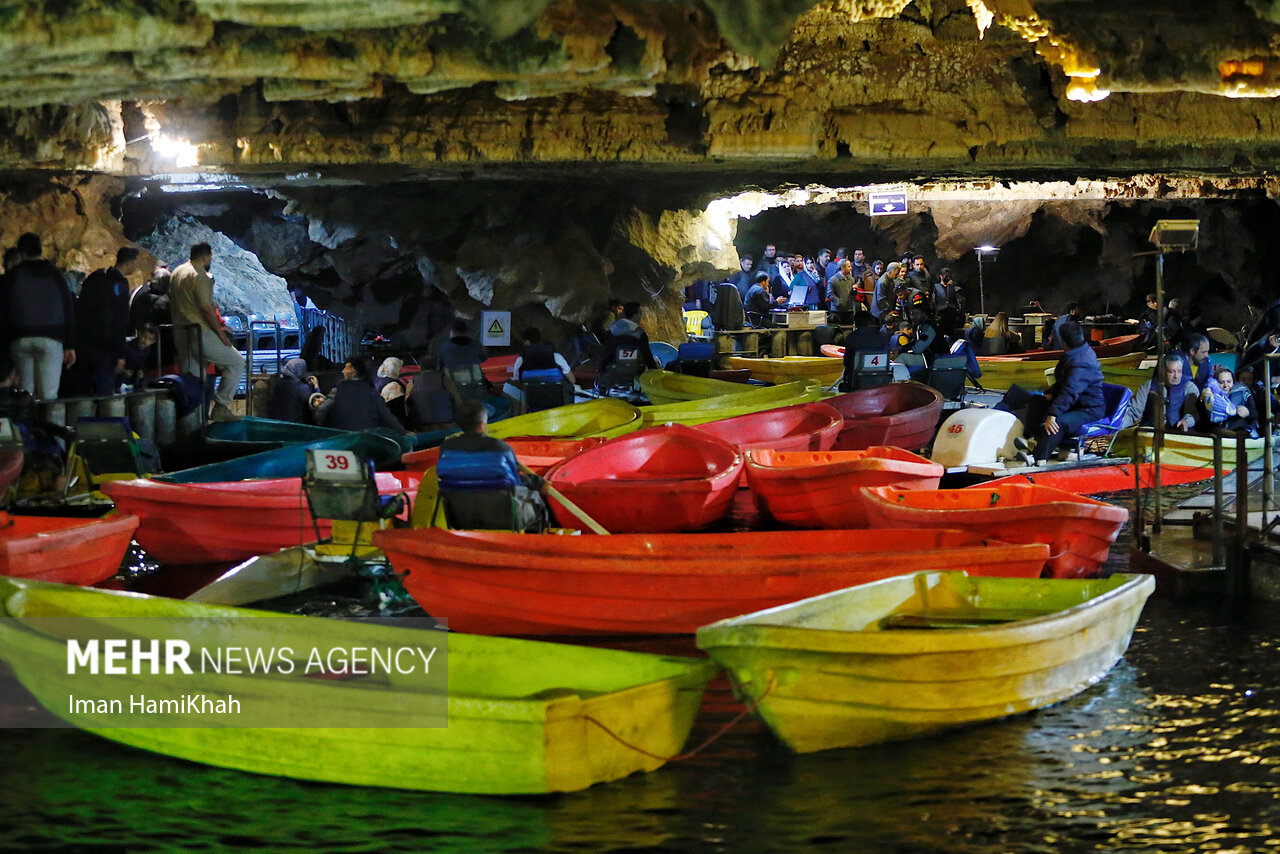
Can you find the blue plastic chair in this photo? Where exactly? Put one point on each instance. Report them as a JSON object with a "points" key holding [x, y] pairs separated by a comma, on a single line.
{"points": [[1116, 398]]}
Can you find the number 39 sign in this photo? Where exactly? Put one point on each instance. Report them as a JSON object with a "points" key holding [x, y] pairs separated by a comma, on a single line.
{"points": [[335, 465]]}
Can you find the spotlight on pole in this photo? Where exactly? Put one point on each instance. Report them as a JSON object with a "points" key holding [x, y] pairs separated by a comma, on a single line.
{"points": [[991, 254]]}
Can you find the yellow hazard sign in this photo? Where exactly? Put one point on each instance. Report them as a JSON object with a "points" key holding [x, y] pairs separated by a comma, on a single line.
{"points": [[495, 328]]}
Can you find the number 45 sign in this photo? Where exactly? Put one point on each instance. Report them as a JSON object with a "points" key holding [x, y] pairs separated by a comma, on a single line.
{"points": [[334, 465]]}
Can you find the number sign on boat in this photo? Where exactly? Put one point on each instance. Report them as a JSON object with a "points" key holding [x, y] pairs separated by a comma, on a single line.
{"points": [[334, 465]]}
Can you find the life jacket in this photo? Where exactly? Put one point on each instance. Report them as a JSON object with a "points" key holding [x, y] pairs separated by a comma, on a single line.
{"points": [[537, 357]]}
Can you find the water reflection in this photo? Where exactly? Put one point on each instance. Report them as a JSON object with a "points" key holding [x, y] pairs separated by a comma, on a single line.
{"points": [[1176, 750]]}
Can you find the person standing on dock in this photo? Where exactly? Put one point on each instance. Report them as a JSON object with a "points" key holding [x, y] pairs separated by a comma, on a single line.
{"points": [[191, 301], [38, 319]]}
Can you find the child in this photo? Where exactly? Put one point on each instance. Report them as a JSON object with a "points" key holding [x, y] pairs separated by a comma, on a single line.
{"points": [[1229, 404]]}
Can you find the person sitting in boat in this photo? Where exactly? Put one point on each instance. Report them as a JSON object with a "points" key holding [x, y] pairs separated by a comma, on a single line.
{"points": [[866, 338], [538, 355], [626, 348], [1180, 397], [1229, 404], [460, 358], [137, 355], [999, 339], [1075, 398], [353, 404], [475, 461], [1194, 355], [291, 393], [1054, 340], [926, 340]]}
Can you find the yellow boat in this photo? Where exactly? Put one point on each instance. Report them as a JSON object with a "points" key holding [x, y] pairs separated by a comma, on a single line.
{"points": [[755, 399], [1003, 371], [669, 387], [603, 417], [916, 654], [1183, 449], [1131, 378], [523, 717], [825, 370]]}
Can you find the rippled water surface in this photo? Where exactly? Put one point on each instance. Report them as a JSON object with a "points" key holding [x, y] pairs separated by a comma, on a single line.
{"points": [[1178, 749]]}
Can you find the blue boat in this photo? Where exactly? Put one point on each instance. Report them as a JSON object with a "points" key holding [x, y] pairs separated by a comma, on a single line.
{"points": [[291, 460]]}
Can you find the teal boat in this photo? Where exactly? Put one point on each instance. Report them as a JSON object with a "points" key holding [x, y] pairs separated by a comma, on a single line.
{"points": [[227, 439], [291, 460]]}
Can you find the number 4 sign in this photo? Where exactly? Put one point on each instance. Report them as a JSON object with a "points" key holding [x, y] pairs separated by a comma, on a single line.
{"points": [[335, 465]]}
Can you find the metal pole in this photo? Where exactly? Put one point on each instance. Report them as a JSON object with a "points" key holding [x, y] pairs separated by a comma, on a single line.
{"points": [[1157, 435], [1268, 467], [982, 290], [1242, 499], [1219, 558], [1140, 522]]}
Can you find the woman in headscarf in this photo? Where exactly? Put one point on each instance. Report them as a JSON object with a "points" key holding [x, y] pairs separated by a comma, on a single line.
{"points": [[389, 372], [396, 393]]}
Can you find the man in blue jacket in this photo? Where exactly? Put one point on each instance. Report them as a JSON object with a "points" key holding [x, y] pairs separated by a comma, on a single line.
{"points": [[1076, 396]]}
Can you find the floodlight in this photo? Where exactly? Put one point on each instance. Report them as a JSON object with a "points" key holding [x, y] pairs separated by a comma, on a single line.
{"points": [[1176, 235]]}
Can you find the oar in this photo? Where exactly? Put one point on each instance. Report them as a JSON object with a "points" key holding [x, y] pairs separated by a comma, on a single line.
{"points": [[564, 502]]}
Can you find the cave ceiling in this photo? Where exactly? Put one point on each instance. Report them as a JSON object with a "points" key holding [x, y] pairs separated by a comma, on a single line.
{"points": [[734, 91]]}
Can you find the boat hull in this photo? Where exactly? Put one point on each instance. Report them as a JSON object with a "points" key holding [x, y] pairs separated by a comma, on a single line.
{"points": [[219, 522], [538, 454], [1183, 449], [1001, 372], [904, 415], [605, 417], [496, 582], [823, 490], [524, 717], [291, 460], [824, 674], [789, 368], [752, 399], [803, 427], [1078, 530], [62, 549], [663, 479], [669, 387]]}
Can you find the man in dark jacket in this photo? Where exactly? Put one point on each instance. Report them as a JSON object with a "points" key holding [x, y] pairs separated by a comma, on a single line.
{"points": [[475, 457], [353, 404], [625, 349], [1076, 396], [758, 303], [102, 324], [39, 319]]}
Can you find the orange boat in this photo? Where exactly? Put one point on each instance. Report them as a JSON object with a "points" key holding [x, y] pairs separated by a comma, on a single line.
{"points": [[184, 523], [1120, 345], [823, 489], [671, 478], [538, 454], [502, 583], [497, 369], [904, 415], [1078, 530], [11, 463], [62, 549], [1096, 480]]}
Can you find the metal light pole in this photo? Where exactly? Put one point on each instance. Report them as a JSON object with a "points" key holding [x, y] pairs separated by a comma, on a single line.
{"points": [[983, 251]]}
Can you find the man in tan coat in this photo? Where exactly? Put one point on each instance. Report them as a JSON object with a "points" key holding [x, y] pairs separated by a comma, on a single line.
{"points": [[191, 302]]}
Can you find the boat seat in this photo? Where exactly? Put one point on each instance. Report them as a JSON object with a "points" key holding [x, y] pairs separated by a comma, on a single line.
{"points": [[694, 358], [1116, 399], [913, 362], [478, 490], [468, 382], [623, 371], [871, 369], [948, 375], [545, 389], [110, 452]]}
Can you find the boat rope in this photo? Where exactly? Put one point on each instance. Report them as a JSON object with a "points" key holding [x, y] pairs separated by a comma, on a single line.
{"points": [[711, 739]]}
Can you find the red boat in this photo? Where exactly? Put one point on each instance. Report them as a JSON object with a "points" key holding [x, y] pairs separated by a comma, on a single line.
{"points": [[1096, 480], [497, 370], [1078, 530], [501, 583], [538, 454], [184, 523], [904, 415], [823, 489], [803, 427], [66, 550], [671, 478]]}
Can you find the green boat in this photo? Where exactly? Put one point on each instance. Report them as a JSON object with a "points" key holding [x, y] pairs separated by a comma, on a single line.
{"points": [[524, 717], [291, 460]]}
